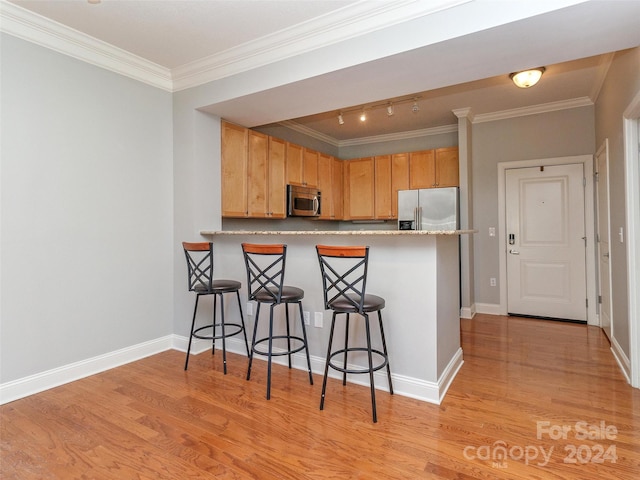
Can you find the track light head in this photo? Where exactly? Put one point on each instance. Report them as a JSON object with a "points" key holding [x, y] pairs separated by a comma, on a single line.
{"points": [[390, 109], [415, 108], [363, 116], [340, 119]]}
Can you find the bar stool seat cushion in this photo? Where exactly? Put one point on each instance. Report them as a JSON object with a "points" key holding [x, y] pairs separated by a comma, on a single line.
{"points": [[289, 294], [218, 286], [371, 303]]}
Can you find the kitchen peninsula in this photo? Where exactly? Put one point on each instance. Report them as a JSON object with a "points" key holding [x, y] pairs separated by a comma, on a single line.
{"points": [[416, 272]]}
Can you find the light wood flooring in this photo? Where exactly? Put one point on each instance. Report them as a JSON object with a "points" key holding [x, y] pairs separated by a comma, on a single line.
{"points": [[522, 383]]}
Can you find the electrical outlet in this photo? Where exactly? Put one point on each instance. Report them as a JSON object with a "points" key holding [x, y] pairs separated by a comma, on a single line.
{"points": [[307, 318], [249, 308], [317, 319], [492, 281]]}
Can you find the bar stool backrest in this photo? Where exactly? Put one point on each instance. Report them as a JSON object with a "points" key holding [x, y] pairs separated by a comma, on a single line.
{"points": [[199, 257], [265, 270], [344, 274]]}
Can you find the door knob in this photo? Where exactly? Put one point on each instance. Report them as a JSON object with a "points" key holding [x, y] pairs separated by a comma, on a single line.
{"points": [[514, 252]]}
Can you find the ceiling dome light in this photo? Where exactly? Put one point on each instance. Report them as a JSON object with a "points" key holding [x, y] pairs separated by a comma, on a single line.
{"points": [[527, 78]]}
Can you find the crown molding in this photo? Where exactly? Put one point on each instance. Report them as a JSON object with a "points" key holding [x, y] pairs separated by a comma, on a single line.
{"points": [[533, 110], [352, 21], [389, 137], [26, 25]]}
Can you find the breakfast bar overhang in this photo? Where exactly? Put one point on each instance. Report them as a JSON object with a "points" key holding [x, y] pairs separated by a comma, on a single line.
{"points": [[418, 274]]}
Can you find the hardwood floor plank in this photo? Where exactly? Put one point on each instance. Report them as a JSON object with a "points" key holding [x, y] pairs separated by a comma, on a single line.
{"points": [[151, 419]]}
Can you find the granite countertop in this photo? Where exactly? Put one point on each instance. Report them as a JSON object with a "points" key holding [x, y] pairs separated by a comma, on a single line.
{"points": [[335, 232]]}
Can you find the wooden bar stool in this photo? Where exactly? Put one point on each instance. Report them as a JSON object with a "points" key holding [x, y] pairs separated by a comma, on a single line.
{"points": [[344, 280], [265, 279], [199, 257]]}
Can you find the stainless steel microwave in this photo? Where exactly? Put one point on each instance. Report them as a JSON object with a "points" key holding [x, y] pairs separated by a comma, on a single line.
{"points": [[303, 201]]}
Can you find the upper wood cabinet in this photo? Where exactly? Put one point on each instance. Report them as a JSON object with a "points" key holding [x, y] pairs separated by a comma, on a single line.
{"points": [[383, 180], [434, 168], [234, 170], [253, 174], [302, 165], [359, 189], [399, 178], [330, 174], [447, 167]]}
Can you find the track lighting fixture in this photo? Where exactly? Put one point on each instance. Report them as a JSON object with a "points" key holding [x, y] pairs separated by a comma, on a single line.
{"points": [[363, 116], [415, 108], [390, 109], [340, 119]]}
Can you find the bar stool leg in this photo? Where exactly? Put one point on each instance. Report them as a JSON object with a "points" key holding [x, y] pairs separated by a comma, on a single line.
{"points": [[373, 388], [346, 347], [326, 366], [286, 310], [306, 344], [244, 329], [224, 346], [270, 353], [213, 326], [253, 340], [384, 349], [193, 324]]}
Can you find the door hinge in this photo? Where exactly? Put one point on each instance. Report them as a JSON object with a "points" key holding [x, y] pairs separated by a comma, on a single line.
{"points": [[586, 302], [584, 181], [599, 298]]}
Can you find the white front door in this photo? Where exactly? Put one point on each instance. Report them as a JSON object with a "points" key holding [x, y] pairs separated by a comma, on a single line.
{"points": [[546, 269], [604, 263]]}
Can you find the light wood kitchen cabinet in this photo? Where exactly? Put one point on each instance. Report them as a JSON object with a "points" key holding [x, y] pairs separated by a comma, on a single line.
{"points": [[234, 176], [359, 185], [434, 168], [253, 174], [302, 165], [277, 192], [399, 178], [330, 174], [337, 173], [310, 168], [447, 167], [383, 203]]}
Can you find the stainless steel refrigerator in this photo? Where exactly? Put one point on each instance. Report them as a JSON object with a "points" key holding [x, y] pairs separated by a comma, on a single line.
{"points": [[432, 209]]}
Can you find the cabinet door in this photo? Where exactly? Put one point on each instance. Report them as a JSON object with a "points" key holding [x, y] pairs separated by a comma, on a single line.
{"points": [[337, 174], [325, 180], [310, 168], [399, 178], [258, 174], [277, 178], [422, 172], [447, 167], [383, 204], [234, 170], [294, 164], [359, 189]]}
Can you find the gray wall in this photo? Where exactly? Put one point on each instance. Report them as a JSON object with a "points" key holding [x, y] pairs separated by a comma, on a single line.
{"points": [[620, 87], [554, 134], [86, 211]]}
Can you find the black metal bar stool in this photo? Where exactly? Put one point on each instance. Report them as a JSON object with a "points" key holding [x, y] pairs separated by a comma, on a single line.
{"points": [[344, 280], [199, 257], [265, 279]]}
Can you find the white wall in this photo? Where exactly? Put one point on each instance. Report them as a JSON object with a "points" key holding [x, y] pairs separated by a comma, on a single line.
{"points": [[620, 87], [86, 221], [555, 134]]}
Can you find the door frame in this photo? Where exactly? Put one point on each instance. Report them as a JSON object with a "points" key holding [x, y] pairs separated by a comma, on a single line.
{"points": [[631, 134], [603, 148], [587, 161]]}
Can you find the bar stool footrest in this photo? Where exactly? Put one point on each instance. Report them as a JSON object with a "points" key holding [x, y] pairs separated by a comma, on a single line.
{"points": [[279, 352], [376, 367], [236, 328]]}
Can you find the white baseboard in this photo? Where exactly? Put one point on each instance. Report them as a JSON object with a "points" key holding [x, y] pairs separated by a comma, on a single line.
{"points": [[488, 308], [468, 312], [431, 392], [39, 382], [622, 359]]}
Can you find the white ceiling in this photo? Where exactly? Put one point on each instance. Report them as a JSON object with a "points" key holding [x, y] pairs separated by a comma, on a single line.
{"points": [[463, 62]]}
